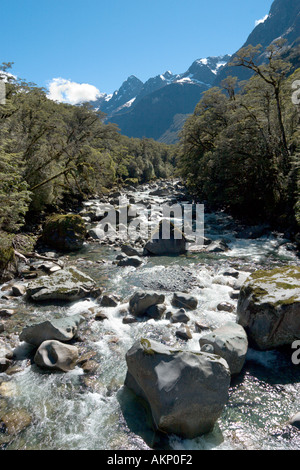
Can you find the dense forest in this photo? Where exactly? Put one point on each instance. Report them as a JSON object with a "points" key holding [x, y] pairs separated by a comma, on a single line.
{"points": [[53, 152], [240, 150]]}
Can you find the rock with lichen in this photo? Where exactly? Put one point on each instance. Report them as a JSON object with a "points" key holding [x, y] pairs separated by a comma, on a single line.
{"points": [[64, 232], [68, 284], [269, 307]]}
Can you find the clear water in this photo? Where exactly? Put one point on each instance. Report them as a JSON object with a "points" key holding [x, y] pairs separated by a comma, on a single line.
{"points": [[78, 411]]}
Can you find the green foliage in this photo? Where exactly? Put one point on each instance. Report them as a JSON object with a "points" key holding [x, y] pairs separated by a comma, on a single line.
{"points": [[238, 149], [14, 194], [51, 152], [7, 255]]}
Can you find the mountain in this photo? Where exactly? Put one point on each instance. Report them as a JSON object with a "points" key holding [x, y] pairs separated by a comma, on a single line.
{"points": [[158, 108], [110, 104], [153, 115], [283, 21]]}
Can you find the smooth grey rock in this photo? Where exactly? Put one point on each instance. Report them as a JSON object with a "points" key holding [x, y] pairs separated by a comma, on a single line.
{"points": [[100, 316], [140, 302], [185, 301], [230, 342], [217, 246], [120, 256], [175, 244], [130, 251], [62, 329], [184, 333], [186, 391], [156, 311], [55, 355], [18, 290], [109, 301], [269, 307], [133, 261], [68, 284], [226, 307], [179, 317], [129, 319]]}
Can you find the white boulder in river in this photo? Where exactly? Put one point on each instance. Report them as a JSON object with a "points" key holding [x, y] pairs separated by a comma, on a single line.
{"points": [[55, 355], [186, 391], [230, 342], [269, 307]]}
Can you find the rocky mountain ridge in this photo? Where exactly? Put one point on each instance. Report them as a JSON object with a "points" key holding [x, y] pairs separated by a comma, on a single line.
{"points": [[159, 107]]}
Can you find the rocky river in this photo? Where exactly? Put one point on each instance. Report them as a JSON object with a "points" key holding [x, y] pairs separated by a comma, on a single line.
{"points": [[88, 407]]}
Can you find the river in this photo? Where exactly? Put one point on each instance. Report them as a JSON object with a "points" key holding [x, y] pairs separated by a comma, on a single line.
{"points": [[76, 410]]}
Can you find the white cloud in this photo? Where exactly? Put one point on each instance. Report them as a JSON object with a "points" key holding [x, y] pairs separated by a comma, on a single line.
{"points": [[257, 22], [66, 91]]}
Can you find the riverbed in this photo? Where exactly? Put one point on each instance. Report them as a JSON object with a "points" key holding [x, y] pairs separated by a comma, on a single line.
{"points": [[78, 410]]}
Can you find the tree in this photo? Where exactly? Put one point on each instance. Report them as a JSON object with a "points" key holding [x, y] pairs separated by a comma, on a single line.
{"points": [[273, 73]]}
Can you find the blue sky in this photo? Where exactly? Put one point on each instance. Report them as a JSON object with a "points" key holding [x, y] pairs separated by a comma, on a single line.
{"points": [[102, 42]]}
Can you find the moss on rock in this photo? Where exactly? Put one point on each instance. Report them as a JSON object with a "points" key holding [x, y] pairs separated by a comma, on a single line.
{"points": [[269, 307], [7, 254], [64, 232]]}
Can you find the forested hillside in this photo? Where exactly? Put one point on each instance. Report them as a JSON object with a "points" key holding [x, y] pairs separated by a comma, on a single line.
{"points": [[239, 151], [52, 153]]}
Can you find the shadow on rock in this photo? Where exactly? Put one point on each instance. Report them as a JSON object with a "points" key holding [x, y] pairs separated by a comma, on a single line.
{"points": [[137, 415]]}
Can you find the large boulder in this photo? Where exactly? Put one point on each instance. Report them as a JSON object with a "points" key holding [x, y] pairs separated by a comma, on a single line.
{"points": [[55, 355], [217, 246], [68, 284], [64, 232], [230, 342], [133, 261], [62, 329], [156, 311], [186, 301], [179, 317], [140, 302], [186, 391], [269, 307], [130, 251], [174, 244]]}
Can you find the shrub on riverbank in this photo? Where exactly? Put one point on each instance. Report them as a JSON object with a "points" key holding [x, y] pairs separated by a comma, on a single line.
{"points": [[239, 151]]}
